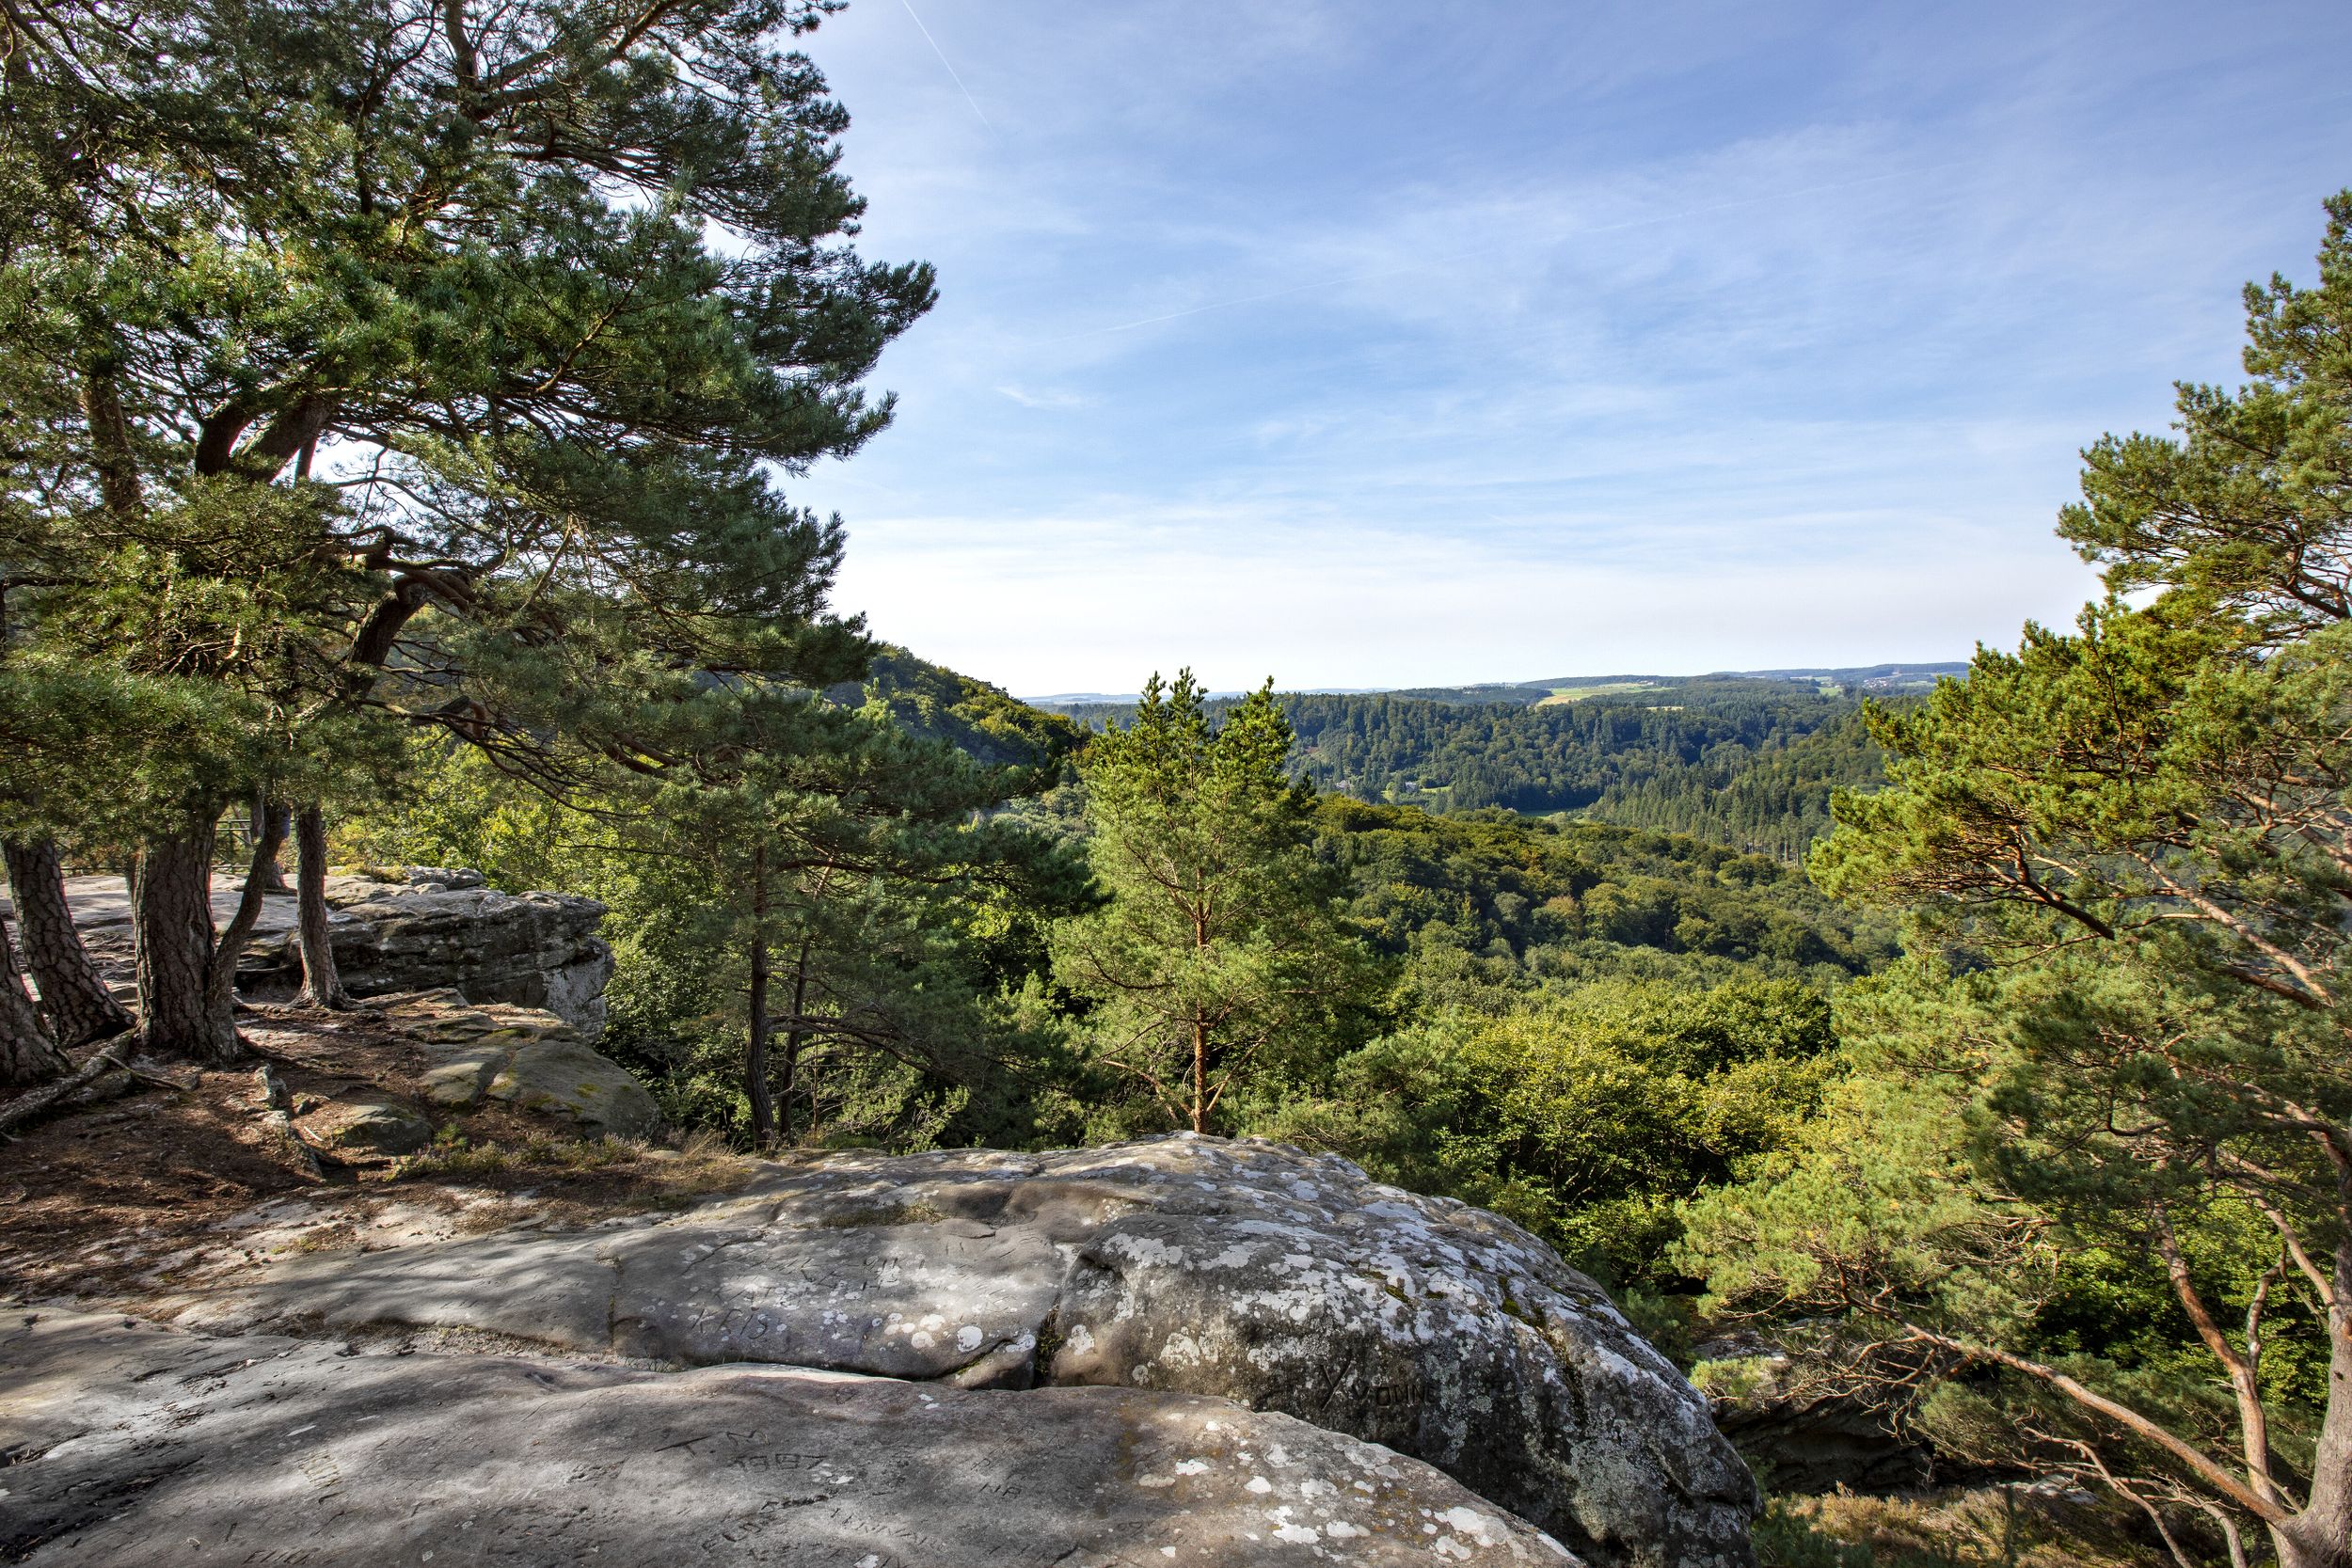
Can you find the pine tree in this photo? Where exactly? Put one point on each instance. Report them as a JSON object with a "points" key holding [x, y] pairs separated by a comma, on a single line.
{"points": [[400, 331], [828, 861], [1219, 952], [2135, 843]]}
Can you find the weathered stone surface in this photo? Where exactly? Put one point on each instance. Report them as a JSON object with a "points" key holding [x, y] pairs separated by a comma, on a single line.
{"points": [[134, 1444], [1248, 1271], [425, 927], [371, 1126], [527, 950], [524, 1055]]}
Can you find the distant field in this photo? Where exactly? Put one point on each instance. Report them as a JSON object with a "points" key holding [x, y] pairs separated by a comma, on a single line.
{"points": [[1605, 688]]}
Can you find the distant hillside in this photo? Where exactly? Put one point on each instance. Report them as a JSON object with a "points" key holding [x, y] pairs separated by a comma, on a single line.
{"points": [[1874, 679], [930, 699], [1063, 701], [1747, 759]]}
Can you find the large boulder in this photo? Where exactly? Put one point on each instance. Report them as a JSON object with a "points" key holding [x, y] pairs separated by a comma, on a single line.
{"points": [[1183, 1264], [526, 1057], [134, 1444], [525, 949], [411, 930]]}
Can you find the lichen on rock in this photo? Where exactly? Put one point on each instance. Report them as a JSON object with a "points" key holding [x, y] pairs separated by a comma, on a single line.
{"points": [[529, 1059], [137, 1444], [1181, 1265]]}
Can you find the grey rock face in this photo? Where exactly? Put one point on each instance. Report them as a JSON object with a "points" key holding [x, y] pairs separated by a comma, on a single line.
{"points": [[134, 1444], [1181, 1264], [527, 950], [374, 1126], [434, 927], [527, 1056]]}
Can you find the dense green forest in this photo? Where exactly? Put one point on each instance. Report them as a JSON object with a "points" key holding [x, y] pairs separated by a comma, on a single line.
{"points": [[1746, 761], [1773, 799], [395, 462]]}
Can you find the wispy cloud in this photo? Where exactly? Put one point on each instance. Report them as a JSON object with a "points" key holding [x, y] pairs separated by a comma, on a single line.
{"points": [[1532, 240], [1372, 341], [1029, 399]]}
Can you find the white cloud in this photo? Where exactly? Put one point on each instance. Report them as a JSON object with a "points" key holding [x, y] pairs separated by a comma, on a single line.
{"points": [[1383, 347], [1027, 399], [1097, 603]]}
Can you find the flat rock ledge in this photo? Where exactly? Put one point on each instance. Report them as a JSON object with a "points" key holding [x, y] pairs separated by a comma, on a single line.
{"points": [[133, 1444], [1247, 1270], [415, 929], [527, 1056], [435, 927]]}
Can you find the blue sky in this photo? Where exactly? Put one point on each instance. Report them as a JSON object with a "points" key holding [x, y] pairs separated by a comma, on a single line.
{"points": [[1378, 345]]}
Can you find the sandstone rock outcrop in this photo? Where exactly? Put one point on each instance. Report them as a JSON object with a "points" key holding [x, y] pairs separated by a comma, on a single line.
{"points": [[427, 927], [1182, 1265], [134, 1444], [444, 928], [526, 1057], [369, 1126]]}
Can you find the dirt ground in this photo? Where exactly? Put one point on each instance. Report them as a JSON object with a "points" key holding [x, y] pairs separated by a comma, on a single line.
{"points": [[132, 1201]]}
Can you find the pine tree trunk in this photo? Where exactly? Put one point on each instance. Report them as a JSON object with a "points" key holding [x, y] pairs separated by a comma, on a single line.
{"points": [[27, 1054], [271, 822], [172, 913], [756, 1050], [1200, 1034], [75, 1001], [2321, 1535], [793, 1039], [756, 1055], [221, 986], [313, 930], [1199, 1076]]}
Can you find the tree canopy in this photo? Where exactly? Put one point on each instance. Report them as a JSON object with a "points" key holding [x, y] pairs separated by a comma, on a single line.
{"points": [[2128, 855], [428, 361]]}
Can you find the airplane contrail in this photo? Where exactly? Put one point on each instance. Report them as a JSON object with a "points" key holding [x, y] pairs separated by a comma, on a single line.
{"points": [[944, 61]]}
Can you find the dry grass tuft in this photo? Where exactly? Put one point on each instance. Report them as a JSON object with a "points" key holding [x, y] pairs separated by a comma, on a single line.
{"points": [[1987, 1526]]}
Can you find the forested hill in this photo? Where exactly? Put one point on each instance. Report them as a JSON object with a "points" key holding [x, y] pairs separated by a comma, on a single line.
{"points": [[1876, 680], [1744, 761], [985, 722], [1771, 799]]}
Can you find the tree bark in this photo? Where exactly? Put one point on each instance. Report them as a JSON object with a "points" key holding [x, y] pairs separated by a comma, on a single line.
{"points": [[756, 1050], [2321, 1535], [793, 1039], [2243, 1372], [27, 1054], [315, 933], [270, 821], [1200, 1075], [76, 1002], [221, 984], [103, 1073], [172, 913], [1199, 1033]]}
